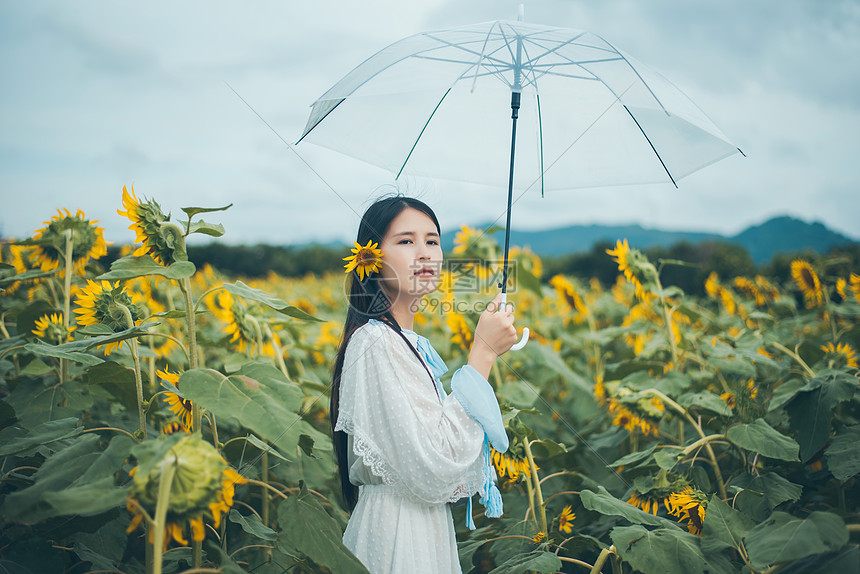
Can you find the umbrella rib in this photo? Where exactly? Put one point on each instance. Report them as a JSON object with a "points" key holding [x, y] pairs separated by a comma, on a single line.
{"points": [[635, 71], [652, 146], [579, 137], [449, 44], [422, 133], [540, 134], [320, 120], [552, 50]]}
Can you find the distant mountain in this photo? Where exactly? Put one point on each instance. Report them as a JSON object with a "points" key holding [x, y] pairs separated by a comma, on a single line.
{"points": [[777, 235], [786, 234]]}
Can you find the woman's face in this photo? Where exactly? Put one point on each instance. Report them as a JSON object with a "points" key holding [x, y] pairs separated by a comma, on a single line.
{"points": [[411, 255]]}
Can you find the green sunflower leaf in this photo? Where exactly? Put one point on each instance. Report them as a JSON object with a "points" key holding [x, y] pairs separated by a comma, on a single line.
{"points": [[811, 410], [724, 526], [45, 350], [606, 504], [210, 229], [309, 530], [261, 296], [784, 538], [706, 400], [759, 495], [842, 454], [665, 550], [259, 398], [192, 211], [45, 433], [536, 561], [762, 438], [130, 267], [90, 342], [252, 525]]}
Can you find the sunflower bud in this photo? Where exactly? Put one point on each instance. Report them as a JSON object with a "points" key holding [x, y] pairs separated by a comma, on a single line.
{"points": [[160, 238], [202, 481], [87, 240]]}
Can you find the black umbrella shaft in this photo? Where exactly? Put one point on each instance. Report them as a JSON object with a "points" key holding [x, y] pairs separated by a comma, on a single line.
{"points": [[515, 112]]}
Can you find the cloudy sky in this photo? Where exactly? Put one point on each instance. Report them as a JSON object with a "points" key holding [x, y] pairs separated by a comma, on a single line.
{"points": [[98, 94]]}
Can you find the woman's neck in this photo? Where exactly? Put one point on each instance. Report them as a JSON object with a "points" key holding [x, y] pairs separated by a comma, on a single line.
{"points": [[403, 311]]}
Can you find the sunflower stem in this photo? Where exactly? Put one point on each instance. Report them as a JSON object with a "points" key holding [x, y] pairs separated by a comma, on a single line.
{"points": [[67, 297], [681, 410], [258, 351], [667, 317], [601, 560], [531, 493], [796, 357], [536, 479], [164, 486], [185, 287], [138, 380], [497, 375], [196, 415], [279, 352]]}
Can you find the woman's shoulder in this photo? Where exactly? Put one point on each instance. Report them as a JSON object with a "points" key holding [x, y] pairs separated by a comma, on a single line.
{"points": [[371, 334]]}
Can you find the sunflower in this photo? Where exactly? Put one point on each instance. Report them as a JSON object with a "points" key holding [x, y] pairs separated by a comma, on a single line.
{"points": [[88, 242], [840, 354], [569, 297], [628, 261], [689, 504], [565, 520], [174, 427], [765, 287], [106, 304], [155, 299], [153, 230], [237, 322], [528, 259], [808, 283], [51, 328], [182, 408], [854, 283], [512, 464], [626, 418], [202, 481], [749, 287], [464, 239], [18, 257], [460, 332], [539, 537], [365, 259], [649, 502]]}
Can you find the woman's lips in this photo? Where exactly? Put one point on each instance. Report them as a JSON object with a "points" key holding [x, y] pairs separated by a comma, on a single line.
{"points": [[425, 272]]}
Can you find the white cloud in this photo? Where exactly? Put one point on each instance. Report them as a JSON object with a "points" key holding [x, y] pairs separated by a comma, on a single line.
{"points": [[102, 94]]}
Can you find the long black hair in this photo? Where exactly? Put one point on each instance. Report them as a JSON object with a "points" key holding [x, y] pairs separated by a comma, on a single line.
{"points": [[367, 300]]}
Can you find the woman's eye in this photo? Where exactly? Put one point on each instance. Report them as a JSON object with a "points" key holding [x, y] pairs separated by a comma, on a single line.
{"points": [[403, 241], [433, 242]]}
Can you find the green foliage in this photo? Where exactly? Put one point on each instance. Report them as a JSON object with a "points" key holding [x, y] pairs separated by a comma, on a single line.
{"points": [[732, 426], [308, 531]]}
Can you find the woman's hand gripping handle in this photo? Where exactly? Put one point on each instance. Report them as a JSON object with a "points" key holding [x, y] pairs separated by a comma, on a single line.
{"points": [[494, 335]]}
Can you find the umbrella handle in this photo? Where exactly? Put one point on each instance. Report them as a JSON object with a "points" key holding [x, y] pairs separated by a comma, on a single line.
{"points": [[525, 339]]}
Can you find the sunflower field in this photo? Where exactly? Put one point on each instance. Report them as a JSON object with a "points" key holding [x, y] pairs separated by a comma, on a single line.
{"points": [[160, 418]]}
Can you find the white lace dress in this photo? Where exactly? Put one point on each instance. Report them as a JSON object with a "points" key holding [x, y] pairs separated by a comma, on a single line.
{"points": [[410, 451]]}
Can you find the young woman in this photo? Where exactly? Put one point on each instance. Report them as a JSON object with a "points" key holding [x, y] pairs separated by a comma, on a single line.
{"points": [[404, 448]]}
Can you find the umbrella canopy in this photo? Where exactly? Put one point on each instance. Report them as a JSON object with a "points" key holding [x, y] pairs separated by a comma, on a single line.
{"points": [[434, 104]]}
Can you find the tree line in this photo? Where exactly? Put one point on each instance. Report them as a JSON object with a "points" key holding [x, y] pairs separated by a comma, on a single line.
{"points": [[727, 259]]}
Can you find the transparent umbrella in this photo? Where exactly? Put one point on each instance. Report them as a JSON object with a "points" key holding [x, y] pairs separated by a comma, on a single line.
{"points": [[435, 104]]}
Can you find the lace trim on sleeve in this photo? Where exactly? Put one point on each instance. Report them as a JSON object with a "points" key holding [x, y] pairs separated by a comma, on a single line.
{"points": [[375, 460]]}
